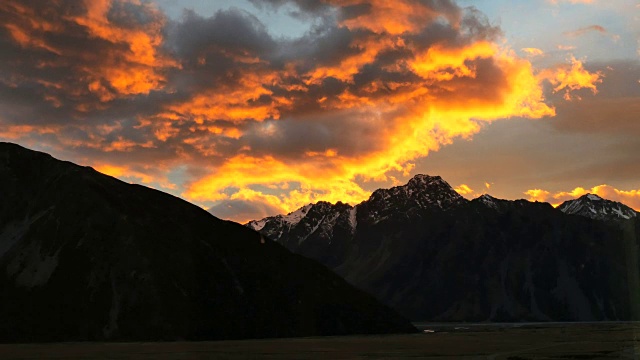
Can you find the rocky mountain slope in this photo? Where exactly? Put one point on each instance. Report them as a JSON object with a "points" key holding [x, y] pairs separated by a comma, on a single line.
{"points": [[84, 256], [432, 255]]}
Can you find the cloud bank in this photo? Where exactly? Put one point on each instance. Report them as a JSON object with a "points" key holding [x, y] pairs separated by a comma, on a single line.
{"points": [[219, 111]]}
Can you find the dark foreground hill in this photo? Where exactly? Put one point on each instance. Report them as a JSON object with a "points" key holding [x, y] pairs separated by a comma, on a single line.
{"points": [[435, 256], [84, 256]]}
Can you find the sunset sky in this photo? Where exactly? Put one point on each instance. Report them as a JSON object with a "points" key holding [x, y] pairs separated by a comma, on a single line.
{"points": [[252, 108]]}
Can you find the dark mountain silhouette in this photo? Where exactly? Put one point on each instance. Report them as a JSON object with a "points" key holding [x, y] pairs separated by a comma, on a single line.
{"points": [[84, 256], [432, 255]]}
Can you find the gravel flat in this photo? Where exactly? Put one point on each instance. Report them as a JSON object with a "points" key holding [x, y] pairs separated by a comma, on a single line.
{"points": [[447, 341]]}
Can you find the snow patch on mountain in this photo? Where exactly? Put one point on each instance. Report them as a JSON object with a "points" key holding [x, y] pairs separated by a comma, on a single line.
{"points": [[13, 232], [294, 217], [289, 220], [353, 220], [257, 225]]}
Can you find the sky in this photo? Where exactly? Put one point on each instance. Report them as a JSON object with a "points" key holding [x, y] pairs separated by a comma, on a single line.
{"points": [[250, 108]]}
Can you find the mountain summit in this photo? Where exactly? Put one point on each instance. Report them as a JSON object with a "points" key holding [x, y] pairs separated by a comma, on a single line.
{"points": [[595, 207], [420, 193], [321, 230], [84, 256]]}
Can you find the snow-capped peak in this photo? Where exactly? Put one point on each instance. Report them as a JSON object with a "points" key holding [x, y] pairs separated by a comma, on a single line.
{"points": [[421, 192], [419, 189], [423, 179], [595, 207], [491, 202], [488, 200]]}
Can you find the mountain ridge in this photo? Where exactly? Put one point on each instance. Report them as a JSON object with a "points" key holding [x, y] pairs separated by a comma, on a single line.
{"points": [[487, 259], [418, 192], [608, 210], [86, 257]]}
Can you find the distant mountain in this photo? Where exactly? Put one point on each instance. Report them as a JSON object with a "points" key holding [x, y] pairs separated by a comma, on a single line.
{"points": [[310, 231], [595, 207], [432, 255], [84, 256], [322, 230]]}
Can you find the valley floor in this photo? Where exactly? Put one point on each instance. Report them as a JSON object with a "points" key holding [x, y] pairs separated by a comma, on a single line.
{"points": [[447, 341]]}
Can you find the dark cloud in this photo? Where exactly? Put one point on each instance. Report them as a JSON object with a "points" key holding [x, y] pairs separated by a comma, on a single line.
{"points": [[585, 30], [323, 46], [292, 137], [354, 11], [62, 62], [230, 33]]}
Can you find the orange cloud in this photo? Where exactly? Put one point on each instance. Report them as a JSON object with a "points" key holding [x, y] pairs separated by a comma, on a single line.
{"points": [[566, 47], [133, 175], [141, 56], [463, 189], [393, 18], [319, 181], [630, 198], [329, 153], [123, 171], [450, 99], [469, 193], [124, 145], [537, 195], [571, 77], [15, 132], [533, 51], [235, 103], [439, 63], [126, 59]]}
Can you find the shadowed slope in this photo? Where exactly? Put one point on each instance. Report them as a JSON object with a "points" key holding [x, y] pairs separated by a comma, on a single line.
{"points": [[84, 256]]}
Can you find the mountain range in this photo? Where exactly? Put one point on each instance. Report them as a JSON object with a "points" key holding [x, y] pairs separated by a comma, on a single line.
{"points": [[84, 256], [432, 255]]}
